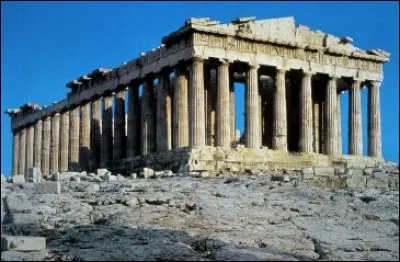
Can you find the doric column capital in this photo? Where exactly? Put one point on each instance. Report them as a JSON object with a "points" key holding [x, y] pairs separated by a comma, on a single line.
{"points": [[225, 62], [254, 65], [308, 73], [198, 59], [281, 70], [375, 83], [356, 83]]}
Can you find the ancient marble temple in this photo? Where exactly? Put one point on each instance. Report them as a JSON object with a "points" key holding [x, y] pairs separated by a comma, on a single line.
{"points": [[181, 95]]}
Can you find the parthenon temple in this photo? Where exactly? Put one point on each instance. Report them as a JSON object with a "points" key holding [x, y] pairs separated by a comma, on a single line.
{"points": [[177, 102]]}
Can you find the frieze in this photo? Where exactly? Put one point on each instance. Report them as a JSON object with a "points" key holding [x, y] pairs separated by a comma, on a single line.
{"points": [[235, 44]]}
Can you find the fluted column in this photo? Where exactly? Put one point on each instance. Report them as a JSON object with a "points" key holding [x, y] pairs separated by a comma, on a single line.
{"points": [[84, 140], [107, 138], [73, 164], [96, 133], [280, 122], [132, 121], [355, 128], [339, 125], [37, 145], [232, 111], [330, 116], [163, 113], [316, 126], [168, 115], [181, 116], [64, 141], [147, 119], [119, 125], [223, 119], [211, 107], [197, 134], [54, 143], [29, 147], [22, 151], [306, 119], [374, 121], [46, 146], [15, 156], [253, 138]]}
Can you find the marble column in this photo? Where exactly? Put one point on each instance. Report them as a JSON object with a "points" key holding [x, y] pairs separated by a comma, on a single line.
{"points": [[355, 127], [339, 125], [22, 151], [107, 136], [280, 121], [147, 119], [96, 133], [15, 156], [330, 116], [163, 113], [54, 143], [132, 133], [306, 117], [64, 141], [73, 164], [232, 112], [168, 115], [197, 134], [84, 140], [374, 121], [181, 116], [253, 138], [212, 86], [46, 146], [119, 125], [37, 145], [30, 130], [316, 113], [223, 119]]}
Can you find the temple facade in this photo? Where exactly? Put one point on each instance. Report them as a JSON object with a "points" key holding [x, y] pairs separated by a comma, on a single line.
{"points": [[182, 95]]}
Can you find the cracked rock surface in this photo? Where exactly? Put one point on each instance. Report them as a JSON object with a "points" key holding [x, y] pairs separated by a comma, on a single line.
{"points": [[187, 218]]}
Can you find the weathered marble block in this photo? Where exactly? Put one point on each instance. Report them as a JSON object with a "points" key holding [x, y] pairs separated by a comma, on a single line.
{"points": [[22, 243]]}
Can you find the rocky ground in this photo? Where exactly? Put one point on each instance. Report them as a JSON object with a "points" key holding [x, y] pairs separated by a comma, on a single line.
{"points": [[249, 217]]}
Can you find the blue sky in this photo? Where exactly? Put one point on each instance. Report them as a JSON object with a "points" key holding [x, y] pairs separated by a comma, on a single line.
{"points": [[46, 44]]}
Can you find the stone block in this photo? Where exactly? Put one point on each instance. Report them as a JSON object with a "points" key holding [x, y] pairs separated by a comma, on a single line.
{"points": [[324, 171], [358, 181], [378, 182], [24, 219], [44, 187], [3, 179], [75, 179], [147, 173], [34, 175], [109, 177], [22, 243], [18, 179], [66, 176], [23, 255], [133, 176], [101, 171], [57, 177]]}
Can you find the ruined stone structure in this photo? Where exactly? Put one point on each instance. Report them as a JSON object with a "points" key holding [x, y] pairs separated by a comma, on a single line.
{"points": [[181, 104]]}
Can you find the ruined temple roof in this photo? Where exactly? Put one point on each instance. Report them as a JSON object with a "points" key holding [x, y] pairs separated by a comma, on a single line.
{"points": [[278, 30]]}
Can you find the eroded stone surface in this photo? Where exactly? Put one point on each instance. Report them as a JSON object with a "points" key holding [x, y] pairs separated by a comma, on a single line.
{"points": [[227, 218]]}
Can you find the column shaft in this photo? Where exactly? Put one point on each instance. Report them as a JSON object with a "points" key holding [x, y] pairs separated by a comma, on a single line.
{"points": [[316, 127], [37, 145], [339, 125], [197, 135], [84, 141], [355, 128], [306, 119], [107, 136], [54, 143], [252, 109], [232, 112], [119, 125], [29, 148], [22, 151], [161, 113], [15, 156], [330, 116], [64, 141], [280, 121], [168, 117], [147, 119], [73, 164], [96, 133], [46, 146], [132, 118], [374, 121], [181, 116], [223, 119], [211, 107]]}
